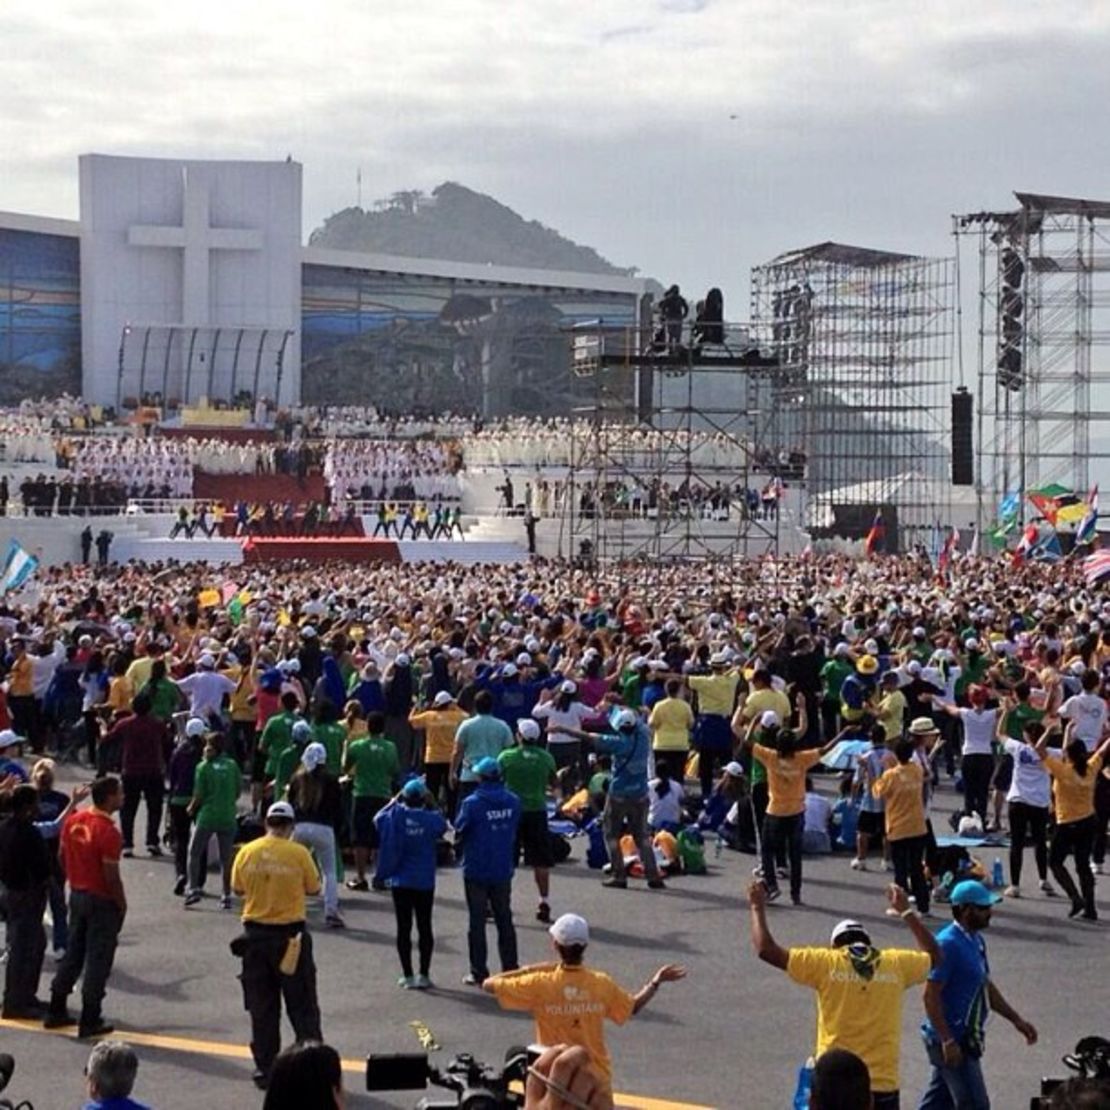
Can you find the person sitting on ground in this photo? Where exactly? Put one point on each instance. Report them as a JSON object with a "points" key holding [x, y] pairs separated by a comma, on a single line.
{"points": [[110, 1077]]}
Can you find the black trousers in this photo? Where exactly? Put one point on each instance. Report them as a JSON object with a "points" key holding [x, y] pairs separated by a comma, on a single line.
{"points": [[180, 829], [408, 904], [26, 945], [1075, 836], [977, 771], [152, 789], [94, 925], [264, 987], [908, 857], [26, 718], [760, 798], [438, 779], [498, 896], [241, 739], [783, 834], [1032, 820]]}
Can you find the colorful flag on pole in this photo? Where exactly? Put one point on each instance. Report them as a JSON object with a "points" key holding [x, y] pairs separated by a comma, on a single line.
{"points": [[1088, 526], [19, 565], [1047, 548], [1025, 544], [1096, 567], [950, 549], [875, 536]]}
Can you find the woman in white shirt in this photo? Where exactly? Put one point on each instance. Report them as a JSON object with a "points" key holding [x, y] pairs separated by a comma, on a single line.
{"points": [[1029, 797], [977, 753], [565, 711], [665, 802]]}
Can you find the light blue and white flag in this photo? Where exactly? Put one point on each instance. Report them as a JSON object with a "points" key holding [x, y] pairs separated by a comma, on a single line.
{"points": [[19, 565]]}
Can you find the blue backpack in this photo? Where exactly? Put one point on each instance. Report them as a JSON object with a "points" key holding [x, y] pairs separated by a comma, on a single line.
{"points": [[597, 855]]}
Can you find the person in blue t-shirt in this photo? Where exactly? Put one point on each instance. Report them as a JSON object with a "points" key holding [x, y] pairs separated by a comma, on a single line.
{"points": [[110, 1075], [958, 997], [486, 829], [627, 802], [408, 829]]}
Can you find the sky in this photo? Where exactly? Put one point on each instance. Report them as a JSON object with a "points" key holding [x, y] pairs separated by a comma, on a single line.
{"points": [[690, 138]]}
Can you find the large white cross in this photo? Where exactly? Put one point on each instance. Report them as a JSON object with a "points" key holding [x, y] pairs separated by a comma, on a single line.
{"points": [[197, 239]]}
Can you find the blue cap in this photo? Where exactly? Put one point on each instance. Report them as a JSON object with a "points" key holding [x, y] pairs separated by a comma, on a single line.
{"points": [[972, 893], [487, 768], [414, 788]]}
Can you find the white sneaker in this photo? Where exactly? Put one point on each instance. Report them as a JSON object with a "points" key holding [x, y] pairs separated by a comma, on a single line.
{"points": [[1015, 891], [1047, 889], [1098, 868], [859, 864]]}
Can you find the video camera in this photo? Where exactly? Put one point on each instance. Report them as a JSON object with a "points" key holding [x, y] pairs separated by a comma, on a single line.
{"points": [[474, 1085], [1089, 1060]]}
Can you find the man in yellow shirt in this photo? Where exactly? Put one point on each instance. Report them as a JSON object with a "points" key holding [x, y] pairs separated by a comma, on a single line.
{"points": [[859, 988], [891, 709], [569, 1001], [902, 788], [670, 722], [439, 725], [716, 698], [273, 874]]}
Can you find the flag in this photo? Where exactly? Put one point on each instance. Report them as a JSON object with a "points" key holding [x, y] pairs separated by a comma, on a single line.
{"points": [[936, 544], [1047, 548], [1008, 510], [974, 548], [1086, 531], [1025, 544], [876, 535], [19, 565], [1096, 567], [209, 598], [951, 547]]}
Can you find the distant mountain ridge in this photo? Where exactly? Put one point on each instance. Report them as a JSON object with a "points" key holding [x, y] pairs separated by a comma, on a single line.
{"points": [[459, 225]]}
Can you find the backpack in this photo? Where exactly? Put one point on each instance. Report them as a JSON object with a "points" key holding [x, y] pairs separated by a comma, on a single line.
{"points": [[597, 855], [691, 850]]}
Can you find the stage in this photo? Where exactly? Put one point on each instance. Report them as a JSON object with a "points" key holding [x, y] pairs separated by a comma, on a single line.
{"points": [[320, 549]]}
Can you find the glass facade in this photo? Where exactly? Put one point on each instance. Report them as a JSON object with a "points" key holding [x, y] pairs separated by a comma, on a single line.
{"points": [[40, 316], [412, 343]]}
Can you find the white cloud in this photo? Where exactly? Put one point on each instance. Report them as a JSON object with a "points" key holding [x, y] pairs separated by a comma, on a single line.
{"points": [[611, 121]]}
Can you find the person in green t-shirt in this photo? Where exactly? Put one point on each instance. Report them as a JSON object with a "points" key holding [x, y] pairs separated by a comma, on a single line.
{"points": [[528, 770], [277, 736], [290, 759], [832, 675], [164, 695], [372, 764], [216, 787], [329, 732]]}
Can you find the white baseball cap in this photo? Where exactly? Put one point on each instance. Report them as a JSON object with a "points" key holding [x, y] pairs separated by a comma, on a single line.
{"points": [[524, 659], [569, 930], [402, 659], [441, 699], [528, 729], [314, 755], [280, 811], [770, 719], [509, 670], [308, 631], [568, 686], [9, 738], [206, 661], [734, 769], [625, 718], [195, 727], [847, 926]]}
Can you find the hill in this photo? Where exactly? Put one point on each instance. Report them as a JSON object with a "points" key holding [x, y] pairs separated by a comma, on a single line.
{"points": [[460, 225]]}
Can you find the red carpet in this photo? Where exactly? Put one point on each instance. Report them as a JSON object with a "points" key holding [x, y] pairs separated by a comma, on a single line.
{"points": [[228, 435], [230, 525], [230, 488], [320, 550]]}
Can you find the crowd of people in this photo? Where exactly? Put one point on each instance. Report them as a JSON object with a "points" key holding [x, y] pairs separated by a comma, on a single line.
{"points": [[397, 717], [379, 470]]}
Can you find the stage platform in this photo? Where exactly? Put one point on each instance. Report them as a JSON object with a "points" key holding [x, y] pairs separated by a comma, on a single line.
{"points": [[319, 550]]}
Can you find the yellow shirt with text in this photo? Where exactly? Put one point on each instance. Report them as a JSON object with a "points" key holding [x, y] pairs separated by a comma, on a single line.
{"points": [[273, 875], [861, 1015], [786, 779], [569, 1005]]}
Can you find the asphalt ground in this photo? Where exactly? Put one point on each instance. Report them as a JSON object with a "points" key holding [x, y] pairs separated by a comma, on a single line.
{"points": [[731, 1035]]}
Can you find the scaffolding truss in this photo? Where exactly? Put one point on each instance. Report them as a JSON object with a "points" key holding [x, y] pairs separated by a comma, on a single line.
{"points": [[1043, 273], [862, 342], [664, 463]]}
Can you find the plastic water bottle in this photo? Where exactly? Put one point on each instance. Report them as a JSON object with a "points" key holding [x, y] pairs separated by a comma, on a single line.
{"points": [[718, 847], [996, 872]]}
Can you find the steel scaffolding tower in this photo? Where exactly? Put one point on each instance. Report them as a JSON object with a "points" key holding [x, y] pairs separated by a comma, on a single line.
{"points": [[663, 453], [863, 340], [1043, 311]]}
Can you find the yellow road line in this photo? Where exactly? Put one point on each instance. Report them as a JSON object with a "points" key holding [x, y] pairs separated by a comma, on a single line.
{"points": [[242, 1052]]}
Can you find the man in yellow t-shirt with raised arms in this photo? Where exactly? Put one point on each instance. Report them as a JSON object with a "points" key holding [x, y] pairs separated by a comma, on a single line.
{"points": [[859, 987], [273, 874], [570, 1001]]}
